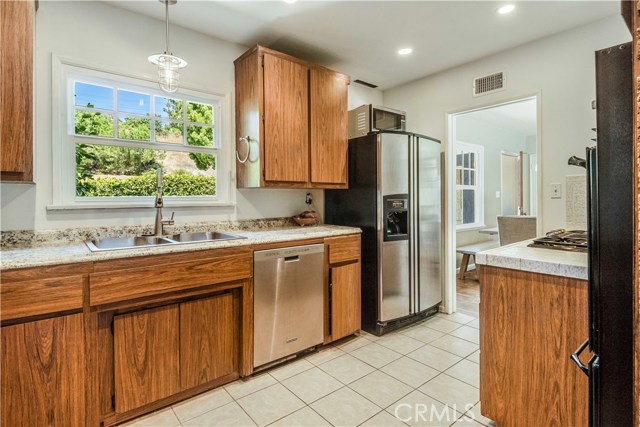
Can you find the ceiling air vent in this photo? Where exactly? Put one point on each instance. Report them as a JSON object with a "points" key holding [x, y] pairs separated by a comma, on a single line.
{"points": [[489, 84], [365, 83]]}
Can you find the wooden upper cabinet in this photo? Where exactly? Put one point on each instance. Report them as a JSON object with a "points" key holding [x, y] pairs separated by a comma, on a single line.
{"points": [[329, 121], [286, 118], [291, 122], [16, 90]]}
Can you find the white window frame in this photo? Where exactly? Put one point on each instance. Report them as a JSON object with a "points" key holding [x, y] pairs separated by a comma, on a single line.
{"points": [[64, 140], [479, 187]]}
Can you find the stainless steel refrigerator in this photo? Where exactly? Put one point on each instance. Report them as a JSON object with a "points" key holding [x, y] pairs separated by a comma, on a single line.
{"points": [[394, 196]]}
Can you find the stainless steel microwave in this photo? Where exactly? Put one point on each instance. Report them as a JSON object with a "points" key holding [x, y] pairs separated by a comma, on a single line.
{"points": [[368, 118]]}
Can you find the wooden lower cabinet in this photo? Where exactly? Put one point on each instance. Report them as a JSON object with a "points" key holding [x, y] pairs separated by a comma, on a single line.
{"points": [[531, 323], [163, 351], [44, 369], [345, 300], [209, 337], [343, 296], [146, 356]]}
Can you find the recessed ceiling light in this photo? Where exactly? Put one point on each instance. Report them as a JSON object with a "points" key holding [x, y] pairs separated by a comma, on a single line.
{"points": [[405, 51], [290, 1], [508, 8]]}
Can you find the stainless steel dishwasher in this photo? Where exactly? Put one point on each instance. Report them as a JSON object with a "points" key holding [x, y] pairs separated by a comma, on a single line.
{"points": [[288, 301]]}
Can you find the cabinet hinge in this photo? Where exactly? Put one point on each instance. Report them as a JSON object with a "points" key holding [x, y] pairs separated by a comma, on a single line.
{"points": [[330, 278]]}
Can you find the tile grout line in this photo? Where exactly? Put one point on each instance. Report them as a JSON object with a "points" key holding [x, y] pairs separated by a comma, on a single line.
{"points": [[373, 416], [247, 414], [444, 403], [459, 378]]}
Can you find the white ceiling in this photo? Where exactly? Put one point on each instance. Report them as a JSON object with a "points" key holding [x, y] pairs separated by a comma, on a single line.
{"points": [[361, 38], [518, 116]]}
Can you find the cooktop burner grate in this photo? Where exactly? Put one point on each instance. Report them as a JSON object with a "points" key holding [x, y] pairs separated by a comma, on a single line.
{"points": [[573, 240]]}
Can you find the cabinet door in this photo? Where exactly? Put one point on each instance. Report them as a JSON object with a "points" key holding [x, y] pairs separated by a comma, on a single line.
{"points": [[146, 356], [345, 300], [16, 90], [329, 132], [44, 373], [209, 336], [286, 120]]}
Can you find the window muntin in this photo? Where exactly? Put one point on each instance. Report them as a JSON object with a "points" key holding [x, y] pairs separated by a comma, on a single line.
{"points": [[469, 192], [122, 133]]}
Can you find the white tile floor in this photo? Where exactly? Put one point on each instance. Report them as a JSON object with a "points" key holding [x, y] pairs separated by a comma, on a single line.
{"points": [[423, 375]]}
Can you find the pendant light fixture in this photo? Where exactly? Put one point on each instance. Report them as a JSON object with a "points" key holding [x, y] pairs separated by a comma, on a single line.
{"points": [[168, 65]]}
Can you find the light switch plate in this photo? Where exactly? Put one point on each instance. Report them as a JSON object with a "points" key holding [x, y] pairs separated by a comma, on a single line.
{"points": [[497, 194], [556, 191]]}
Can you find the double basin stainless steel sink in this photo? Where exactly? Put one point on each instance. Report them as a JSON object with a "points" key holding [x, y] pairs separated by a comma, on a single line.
{"points": [[114, 243]]}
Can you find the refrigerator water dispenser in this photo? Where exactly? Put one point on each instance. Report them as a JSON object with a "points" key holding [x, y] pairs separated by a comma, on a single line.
{"points": [[396, 209]]}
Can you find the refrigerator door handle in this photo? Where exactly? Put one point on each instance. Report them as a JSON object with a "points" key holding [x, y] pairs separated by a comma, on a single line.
{"points": [[575, 356], [414, 223]]}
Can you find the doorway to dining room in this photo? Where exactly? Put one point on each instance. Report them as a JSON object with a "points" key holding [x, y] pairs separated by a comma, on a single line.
{"points": [[493, 171]]}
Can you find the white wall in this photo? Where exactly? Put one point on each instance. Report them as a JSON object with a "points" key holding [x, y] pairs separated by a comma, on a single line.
{"points": [[494, 140], [560, 68], [359, 94], [99, 34]]}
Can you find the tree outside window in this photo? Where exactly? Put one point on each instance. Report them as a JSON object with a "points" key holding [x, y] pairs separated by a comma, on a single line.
{"points": [[123, 135]]}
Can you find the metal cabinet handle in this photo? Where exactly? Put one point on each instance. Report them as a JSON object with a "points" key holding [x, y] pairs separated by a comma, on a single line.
{"points": [[575, 356], [246, 140]]}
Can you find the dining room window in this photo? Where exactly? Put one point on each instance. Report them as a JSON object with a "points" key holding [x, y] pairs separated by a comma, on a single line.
{"points": [[469, 186]]}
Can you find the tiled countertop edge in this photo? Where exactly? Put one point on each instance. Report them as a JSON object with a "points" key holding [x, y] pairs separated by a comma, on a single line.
{"points": [[519, 256]]}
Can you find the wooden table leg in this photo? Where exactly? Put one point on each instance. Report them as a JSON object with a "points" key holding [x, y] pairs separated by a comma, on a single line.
{"points": [[463, 266]]}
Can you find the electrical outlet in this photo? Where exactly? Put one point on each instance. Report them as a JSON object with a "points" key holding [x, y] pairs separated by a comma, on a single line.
{"points": [[497, 194], [308, 199], [556, 191]]}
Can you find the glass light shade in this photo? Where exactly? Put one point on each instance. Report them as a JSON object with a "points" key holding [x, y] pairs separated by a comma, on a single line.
{"points": [[168, 79], [168, 71]]}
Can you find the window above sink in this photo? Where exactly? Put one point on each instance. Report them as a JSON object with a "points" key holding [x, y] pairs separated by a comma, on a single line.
{"points": [[113, 131]]}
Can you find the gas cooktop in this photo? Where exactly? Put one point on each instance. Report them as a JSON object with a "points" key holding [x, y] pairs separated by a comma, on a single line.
{"points": [[563, 240]]}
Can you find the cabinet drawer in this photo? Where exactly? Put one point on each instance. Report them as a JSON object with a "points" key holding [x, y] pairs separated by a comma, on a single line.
{"points": [[42, 296], [343, 249], [113, 286]]}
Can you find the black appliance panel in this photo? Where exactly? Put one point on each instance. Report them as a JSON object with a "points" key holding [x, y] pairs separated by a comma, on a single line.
{"points": [[357, 207], [611, 261], [396, 217]]}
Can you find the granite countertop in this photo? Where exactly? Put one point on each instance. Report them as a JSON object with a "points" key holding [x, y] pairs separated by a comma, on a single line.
{"points": [[41, 254], [518, 256]]}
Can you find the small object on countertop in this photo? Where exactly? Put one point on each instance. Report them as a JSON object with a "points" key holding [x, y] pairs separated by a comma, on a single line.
{"points": [[306, 218]]}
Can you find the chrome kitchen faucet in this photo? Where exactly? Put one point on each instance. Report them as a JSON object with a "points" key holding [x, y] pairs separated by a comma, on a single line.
{"points": [[160, 223]]}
